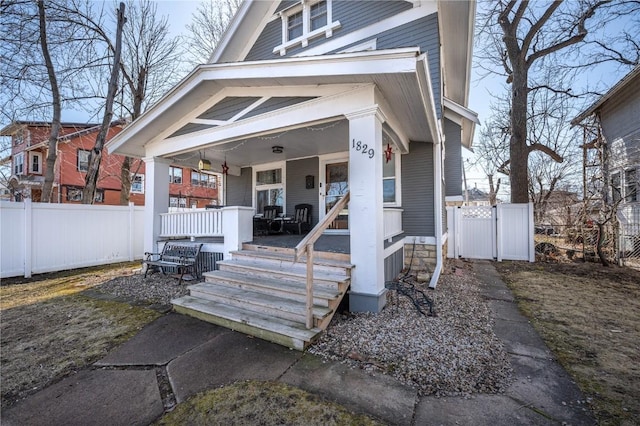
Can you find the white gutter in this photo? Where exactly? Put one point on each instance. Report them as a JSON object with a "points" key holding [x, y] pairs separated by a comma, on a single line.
{"points": [[437, 203]]}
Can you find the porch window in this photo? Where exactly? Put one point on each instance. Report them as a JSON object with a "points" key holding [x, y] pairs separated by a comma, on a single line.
{"points": [[35, 166], [175, 175], [18, 164], [83, 160], [304, 21], [269, 189], [389, 181], [630, 186], [616, 188], [137, 184], [203, 179]]}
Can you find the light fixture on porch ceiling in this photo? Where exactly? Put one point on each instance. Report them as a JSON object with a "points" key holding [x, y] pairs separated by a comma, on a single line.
{"points": [[276, 149]]}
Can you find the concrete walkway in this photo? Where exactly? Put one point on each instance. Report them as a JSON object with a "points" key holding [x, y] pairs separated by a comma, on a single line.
{"points": [[176, 357]]}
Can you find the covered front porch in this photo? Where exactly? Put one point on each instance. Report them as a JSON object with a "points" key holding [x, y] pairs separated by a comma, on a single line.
{"points": [[331, 132]]}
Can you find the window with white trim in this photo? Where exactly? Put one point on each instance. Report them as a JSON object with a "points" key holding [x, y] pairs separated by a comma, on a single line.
{"points": [[269, 189], [203, 179], [175, 175], [35, 165], [630, 186], [21, 136], [616, 187], [18, 164], [304, 21], [74, 193], [180, 202], [137, 184], [83, 160], [389, 181]]}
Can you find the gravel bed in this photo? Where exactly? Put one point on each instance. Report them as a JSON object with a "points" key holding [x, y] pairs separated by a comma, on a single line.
{"points": [[454, 353]]}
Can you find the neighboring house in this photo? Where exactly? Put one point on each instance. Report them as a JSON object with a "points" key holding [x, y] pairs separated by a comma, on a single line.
{"points": [[303, 100], [476, 197], [617, 117], [29, 145]]}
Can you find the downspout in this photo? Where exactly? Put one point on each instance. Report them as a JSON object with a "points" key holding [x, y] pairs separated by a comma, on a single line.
{"points": [[437, 203]]}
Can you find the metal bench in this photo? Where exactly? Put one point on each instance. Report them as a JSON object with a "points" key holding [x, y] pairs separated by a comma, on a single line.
{"points": [[181, 257]]}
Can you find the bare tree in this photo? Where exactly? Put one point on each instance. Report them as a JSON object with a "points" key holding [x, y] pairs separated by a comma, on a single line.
{"points": [[208, 25], [524, 40], [95, 157]]}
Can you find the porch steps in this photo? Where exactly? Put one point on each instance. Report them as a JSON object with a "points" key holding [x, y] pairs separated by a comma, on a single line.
{"points": [[262, 292]]}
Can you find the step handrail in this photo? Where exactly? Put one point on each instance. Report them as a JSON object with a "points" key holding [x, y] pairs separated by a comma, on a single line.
{"points": [[306, 246]]}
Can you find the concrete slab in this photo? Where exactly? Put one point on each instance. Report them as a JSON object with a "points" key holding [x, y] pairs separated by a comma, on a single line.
{"points": [[544, 385], [480, 410], [520, 338], [493, 286], [226, 359], [506, 310], [161, 341], [361, 392], [99, 397]]}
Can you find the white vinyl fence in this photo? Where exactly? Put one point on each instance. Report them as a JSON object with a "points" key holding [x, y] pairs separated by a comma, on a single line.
{"points": [[502, 232], [43, 237]]}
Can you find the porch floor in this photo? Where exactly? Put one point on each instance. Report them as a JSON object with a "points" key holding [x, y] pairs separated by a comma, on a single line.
{"points": [[326, 243]]}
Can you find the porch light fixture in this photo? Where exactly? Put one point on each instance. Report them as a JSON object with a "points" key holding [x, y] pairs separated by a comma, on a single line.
{"points": [[277, 149]]}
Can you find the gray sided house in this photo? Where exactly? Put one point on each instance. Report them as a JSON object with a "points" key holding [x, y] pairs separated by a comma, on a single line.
{"points": [[313, 104], [617, 116]]}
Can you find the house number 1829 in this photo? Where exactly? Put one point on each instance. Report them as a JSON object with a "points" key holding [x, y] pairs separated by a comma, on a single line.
{"points": [[363, 148]]}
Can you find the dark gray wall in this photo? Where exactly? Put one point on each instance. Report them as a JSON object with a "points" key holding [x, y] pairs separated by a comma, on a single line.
{"points": [[352, 15], [239, 188], [417, 190], [453, 158], [393, 265], [297, 193]]}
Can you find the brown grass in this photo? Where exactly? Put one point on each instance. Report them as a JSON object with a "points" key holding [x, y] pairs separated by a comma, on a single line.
{"points": [[261, 403], [48, 330], [589, 317]]}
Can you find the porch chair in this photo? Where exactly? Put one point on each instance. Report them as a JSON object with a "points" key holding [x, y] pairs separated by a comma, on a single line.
{"points": [[262, 224], [301, 220]]}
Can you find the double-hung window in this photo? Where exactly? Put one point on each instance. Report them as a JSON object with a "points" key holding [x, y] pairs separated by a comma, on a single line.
{"points": [[390, 179], [137, 184], [83, 160], [18, 164], [203, 179], [303, 21], [630, 185], [35, 165], [269, 189], [175, 175]]}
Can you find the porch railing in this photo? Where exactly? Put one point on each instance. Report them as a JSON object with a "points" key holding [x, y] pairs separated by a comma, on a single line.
{"points": [[306, 246], [392, 218], [192, 223]]}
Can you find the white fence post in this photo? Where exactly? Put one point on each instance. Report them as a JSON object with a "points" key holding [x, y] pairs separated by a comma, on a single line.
{"points": [[131, 230], [532, 243], [28, 241]]}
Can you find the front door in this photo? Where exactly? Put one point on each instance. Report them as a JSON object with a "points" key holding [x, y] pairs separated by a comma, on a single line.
{"points": [[336, 186]]}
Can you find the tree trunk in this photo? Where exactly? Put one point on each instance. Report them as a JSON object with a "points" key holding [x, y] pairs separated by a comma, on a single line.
{"points": [[518, 148], [95, 158], [52, 151], [125, 180]]}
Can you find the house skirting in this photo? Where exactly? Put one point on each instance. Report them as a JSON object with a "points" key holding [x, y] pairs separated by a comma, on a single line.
{"points": [[421, 259]]}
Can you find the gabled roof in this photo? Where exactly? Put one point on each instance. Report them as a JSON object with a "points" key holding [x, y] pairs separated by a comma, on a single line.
{"points": [[615, 90], [456, 21], [10, 129]]}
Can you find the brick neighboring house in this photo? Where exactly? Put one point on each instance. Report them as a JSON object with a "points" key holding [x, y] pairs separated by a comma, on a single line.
{"points": [[29, 140]]}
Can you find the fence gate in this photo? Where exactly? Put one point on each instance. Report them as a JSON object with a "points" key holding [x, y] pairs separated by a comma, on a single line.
{"points": [[503, 232]]}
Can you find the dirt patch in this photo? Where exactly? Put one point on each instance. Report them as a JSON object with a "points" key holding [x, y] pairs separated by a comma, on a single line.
{"points": [[261, 403], [49, 330], [589, 316]]}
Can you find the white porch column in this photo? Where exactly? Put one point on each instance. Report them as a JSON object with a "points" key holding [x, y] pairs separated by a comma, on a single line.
{"points": [[366, 225], [156, 198]]}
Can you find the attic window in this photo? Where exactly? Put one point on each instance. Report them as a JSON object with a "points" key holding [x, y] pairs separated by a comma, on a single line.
{"points": [[304, 21]]}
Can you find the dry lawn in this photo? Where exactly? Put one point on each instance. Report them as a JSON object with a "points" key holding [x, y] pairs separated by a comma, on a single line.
{"points": [[589, 316], [261, 403], [48, 329]]}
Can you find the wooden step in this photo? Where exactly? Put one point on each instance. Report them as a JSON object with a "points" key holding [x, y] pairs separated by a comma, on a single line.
{"points": [[344, 257], [293, 272], [259, 302], [285, 259], [294, 289], [284, 332]]}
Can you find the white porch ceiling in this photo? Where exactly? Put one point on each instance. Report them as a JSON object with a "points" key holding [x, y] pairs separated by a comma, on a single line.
{"points": [[397, 77]]}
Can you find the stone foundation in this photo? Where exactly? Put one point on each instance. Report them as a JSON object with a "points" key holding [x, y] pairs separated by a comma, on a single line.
{"points": [[423, 262]]}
